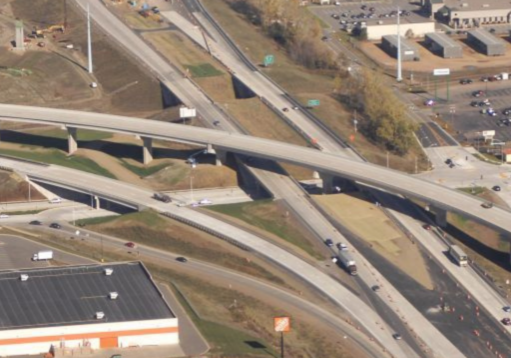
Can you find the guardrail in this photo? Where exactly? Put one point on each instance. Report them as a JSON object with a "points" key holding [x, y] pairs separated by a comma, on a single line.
{"points": [[22, 160]]}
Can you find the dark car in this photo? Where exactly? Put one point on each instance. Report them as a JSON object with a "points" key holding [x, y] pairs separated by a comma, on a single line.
{"points": [[506, 321], [496, 188], [485, 78], [397, 336], [474, 104], [55, 226], [363, 7], [426, 227], [376, 288], [451, 165], [181, 259], [466, 81], [448, 161], [506, 111], [329, 242], [35, 222], [131, 245], [487, 205], [478, 93]]}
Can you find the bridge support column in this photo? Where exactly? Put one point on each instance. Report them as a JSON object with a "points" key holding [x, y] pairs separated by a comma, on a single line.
{"points": [[221, 157], [148, 150], [95, 200], [328, 183], [440, 217], [72, 144], [315, 175]]}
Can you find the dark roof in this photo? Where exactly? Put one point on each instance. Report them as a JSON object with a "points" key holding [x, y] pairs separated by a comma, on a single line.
{"points": [[59, 296]]}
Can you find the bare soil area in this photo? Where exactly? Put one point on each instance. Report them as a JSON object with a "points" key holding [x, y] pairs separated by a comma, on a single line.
{"points": [[15, 189], [369, 223]]}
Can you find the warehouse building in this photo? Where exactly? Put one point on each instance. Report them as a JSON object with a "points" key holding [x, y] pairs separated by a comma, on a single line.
{"points": [[485, 42], [62, 309], [413, 26], [409, 52], [443, 45]]}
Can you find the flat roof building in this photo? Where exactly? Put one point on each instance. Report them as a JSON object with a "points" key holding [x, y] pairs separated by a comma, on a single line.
{"points": [[463, 14], [443, 45], [487, 43], [409, 52], [412, 26], [95, 306]]}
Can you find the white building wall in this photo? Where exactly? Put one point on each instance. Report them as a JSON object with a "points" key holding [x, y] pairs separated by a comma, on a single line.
{"points": [[63, 335], [376, 32]]}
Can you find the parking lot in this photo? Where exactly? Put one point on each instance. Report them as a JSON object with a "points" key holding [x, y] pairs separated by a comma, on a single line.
{"points": [[347, 14]]}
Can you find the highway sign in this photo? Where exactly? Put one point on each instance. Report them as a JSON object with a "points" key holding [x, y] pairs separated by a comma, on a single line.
{"points": [[185, 112], [313, 102], [441, 72], [282, 324], [269, 60]]}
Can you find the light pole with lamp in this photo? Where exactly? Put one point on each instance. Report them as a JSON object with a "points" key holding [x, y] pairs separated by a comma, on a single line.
{"points": [[192, 165]]}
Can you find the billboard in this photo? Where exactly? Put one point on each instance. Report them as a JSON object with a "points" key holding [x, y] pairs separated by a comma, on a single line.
{"points": [[187, 112], [441, 72], [282, 324]]}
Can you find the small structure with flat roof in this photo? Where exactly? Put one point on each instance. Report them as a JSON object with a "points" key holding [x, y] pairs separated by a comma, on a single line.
{"points": [[86, 306], [487, 43], [409, 51], [443, 45]]}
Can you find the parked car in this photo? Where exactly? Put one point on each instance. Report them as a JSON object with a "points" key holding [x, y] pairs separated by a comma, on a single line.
{"points": [[285, 109], [485, 78], [426, 227], [506, 321], [429, 102], [466, 81], [474, 104], [496, 188], [506, 111], [477, 93]]}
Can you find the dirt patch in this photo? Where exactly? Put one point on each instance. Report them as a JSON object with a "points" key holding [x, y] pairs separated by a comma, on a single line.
{"points": [[369, 223], [15, 189]]}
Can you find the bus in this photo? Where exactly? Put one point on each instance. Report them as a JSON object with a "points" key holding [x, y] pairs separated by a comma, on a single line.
{"points": [[457, 254]]}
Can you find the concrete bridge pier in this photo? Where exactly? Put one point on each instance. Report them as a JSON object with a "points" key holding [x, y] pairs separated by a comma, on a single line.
{"points": [[72, 144], [95, 201], [315, 175], [440, 217], [147, 150], [328, 183], [221, 155]]}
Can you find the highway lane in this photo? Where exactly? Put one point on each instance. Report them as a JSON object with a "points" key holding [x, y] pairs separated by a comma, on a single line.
{"points": [[238, 281], [322, 282], [332, 164]]}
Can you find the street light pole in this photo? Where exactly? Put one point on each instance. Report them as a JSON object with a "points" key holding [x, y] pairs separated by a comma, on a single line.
{"points": [[191, 181]]}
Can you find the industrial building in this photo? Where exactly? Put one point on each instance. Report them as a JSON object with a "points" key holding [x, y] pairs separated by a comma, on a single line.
{"points": [[412, 26], [409, 52], [464, 14], [487, 43], [443, 45], [63, 309]]}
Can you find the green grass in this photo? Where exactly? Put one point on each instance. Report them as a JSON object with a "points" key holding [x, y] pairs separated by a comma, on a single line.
{"points": [[26, 212], [477, 190], [96, 221], [203, 70], [223, 338], [256, 214], [144, 171], [81, 134], [59, 158]]}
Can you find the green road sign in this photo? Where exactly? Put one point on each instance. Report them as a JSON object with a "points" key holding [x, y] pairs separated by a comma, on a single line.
{"points": [[269, 60], [313, 102]]}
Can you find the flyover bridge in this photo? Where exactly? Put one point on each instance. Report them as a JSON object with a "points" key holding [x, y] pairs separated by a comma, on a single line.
{"points": [[327, 164]]}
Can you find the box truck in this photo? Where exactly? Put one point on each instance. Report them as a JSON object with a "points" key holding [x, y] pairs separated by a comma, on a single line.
{"points": [[43, 255]]}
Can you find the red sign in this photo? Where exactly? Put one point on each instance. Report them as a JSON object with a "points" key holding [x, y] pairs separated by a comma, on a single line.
{"points": [[282, 324]]}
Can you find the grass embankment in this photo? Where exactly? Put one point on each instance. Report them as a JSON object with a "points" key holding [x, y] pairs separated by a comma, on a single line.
{"points": [[85, 135], [306, 84], [150, 228], [271, 217], [144, 171], [59, 158]]}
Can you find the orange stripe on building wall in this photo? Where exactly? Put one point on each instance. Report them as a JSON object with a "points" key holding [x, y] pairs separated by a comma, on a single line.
{"points": [[79, 336]]}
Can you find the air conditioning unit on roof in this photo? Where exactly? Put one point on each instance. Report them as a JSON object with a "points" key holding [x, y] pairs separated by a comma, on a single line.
{"points": [[109, 271], [100, 315]]}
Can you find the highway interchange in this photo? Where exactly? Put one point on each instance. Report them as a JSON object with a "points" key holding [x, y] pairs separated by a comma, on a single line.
{"points": [[331, 161]]}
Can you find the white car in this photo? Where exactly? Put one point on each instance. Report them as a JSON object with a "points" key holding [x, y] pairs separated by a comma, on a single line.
{"points": [[55, 201], [4, 216], [205, 202]]}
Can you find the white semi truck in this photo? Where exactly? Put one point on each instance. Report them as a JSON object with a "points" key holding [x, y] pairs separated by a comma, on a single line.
{"points": [[348, 262], [43, 255]]}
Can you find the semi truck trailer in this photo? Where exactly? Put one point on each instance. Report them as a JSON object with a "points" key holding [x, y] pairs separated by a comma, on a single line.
{"points": [[348, 262], [43, 255]]}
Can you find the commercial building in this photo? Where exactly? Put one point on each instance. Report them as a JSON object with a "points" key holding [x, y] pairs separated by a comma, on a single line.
{"points": [[409, 52], [443, 45], [487, 43], [82, 307], [412, 26], [461, 14]]}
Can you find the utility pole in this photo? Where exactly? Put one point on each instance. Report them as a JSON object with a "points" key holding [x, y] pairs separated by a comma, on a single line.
{"points": [[89, 39], [399, 77]]}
